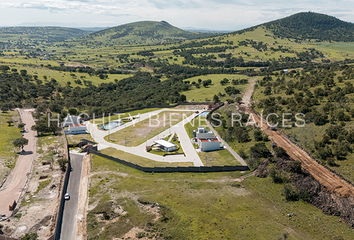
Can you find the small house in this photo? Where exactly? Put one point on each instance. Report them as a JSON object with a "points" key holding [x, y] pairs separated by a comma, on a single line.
{"points": [[75, 129], [209, 144], [71, 120], [166, 145], [202, 133]]}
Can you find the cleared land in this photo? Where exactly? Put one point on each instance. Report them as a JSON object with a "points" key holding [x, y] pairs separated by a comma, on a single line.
{"points": [[199, 206], [140, 160], [75, 139], [147, 129]]}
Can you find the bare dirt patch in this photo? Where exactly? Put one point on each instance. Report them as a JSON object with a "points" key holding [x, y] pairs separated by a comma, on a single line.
{"points": [[81, 232], [37, 209]]}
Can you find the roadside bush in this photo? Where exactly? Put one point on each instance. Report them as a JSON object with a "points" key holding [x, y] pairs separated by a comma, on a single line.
{"points": [[295, 167], [261, 150], [32, 236], [280, 152], [242, 153], [62, 163], [278, 176], [140, 235]]}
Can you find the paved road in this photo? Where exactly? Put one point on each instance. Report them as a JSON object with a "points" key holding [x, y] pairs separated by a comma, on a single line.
{"points": [[191, 155], [12, 190], [68, 228]]}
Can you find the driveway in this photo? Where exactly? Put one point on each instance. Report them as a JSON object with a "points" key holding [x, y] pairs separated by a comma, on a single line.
{"points": [[12, 190], [187, 146]]}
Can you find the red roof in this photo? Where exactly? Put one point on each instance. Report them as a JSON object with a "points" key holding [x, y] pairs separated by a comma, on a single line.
{"points": [[208, 139], [77, 125]]}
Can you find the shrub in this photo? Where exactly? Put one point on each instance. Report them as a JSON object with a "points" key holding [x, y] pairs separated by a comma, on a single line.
{"points": [[292, 194], [278, 176], [261, 150], [62, 163], [280, 152], [140, 235], [295, 167]]}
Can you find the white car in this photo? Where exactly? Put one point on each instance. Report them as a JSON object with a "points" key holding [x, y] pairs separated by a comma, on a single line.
{"points": [[66, 196]]}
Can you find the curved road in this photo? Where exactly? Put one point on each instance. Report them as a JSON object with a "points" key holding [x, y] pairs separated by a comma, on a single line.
{"points": [[191, 155], [11, 192]]}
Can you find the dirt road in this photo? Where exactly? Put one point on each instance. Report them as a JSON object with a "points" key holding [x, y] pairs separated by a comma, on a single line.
{"points": [[327, 178], [12, 191]]}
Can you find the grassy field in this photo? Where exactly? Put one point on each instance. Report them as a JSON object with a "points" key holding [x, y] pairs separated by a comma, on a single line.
{"points": [[64, 77], [143, 130], [203, 206], [218, 158], [140, 160], [204, 94], [75, 139], [8, 154]]}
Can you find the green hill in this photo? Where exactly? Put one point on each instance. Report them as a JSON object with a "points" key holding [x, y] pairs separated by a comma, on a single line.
{"points": [[309, 25], [144, 32], [48, 34]]}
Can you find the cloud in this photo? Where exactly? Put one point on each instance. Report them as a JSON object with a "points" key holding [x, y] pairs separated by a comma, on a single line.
{"points": [[217, 14]]}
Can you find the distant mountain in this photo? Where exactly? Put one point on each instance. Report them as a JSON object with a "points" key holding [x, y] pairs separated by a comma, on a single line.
{"points": [[202, 30], [309, 25], [144, 32], [49, 34], [92, 29]]}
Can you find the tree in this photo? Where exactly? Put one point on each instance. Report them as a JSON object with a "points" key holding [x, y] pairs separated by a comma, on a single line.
{"points": [[216, 98], [9, 122], [280, 152], [231, 90], [23, 72], [20, 142], [261, 150], [4, 68], [72, 111], [41, 127], [21, 125], [62, 163], [258, 135], [32, 236]]}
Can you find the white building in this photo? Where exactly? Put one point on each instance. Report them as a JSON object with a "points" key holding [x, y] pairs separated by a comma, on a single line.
{"points": [[209, 144], [202, 133], [165, 145], [75, 129], [71, 120]]}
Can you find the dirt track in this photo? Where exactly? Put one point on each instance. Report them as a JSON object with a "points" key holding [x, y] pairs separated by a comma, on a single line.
{"points": [[12, 191], [327, 178], [324, 176]]}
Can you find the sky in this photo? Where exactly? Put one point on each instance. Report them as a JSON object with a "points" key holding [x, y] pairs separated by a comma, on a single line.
{"points": [[198, 14]]}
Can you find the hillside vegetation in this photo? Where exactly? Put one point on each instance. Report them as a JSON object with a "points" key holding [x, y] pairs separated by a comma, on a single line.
{"points": [[144, 32], [34, 34], [308, 25]]}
